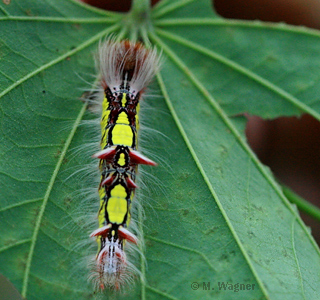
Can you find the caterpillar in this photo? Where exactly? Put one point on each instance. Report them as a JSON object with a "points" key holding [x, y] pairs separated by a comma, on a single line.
{"points": [[125, 70]]}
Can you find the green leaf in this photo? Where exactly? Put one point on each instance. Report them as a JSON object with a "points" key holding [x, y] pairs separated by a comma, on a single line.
{"points": [[213, 212]]}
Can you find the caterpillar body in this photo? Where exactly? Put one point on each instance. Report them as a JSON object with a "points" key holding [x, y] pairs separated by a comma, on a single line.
{"points": [[126, 69]]}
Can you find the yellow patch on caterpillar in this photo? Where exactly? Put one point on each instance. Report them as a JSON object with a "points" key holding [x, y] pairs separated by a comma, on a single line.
{"points": [[122, 160], [123, 119], [124, 99], [122, 135], [105, 114], [117, 206]]}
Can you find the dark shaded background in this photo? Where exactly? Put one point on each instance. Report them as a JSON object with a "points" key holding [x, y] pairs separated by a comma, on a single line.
{"points": [[289, 146]]}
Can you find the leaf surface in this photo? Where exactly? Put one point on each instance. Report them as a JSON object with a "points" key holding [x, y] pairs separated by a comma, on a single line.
{"points": [[213, 213]]}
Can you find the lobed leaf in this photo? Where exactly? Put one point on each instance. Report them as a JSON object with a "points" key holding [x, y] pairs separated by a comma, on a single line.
{"points": [[214, 213]]}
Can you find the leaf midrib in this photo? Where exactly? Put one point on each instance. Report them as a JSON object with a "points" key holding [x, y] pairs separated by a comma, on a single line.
{"points": [[235, 132], [205, 177], [242, 70], [238, 23], [65, 148], [247, 149], [160, 10], [46, 198], [237, 135], [60, 19], [82, 46]]}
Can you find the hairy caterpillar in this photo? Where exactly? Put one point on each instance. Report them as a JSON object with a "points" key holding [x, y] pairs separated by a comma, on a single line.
{"points": [[126, 69]]}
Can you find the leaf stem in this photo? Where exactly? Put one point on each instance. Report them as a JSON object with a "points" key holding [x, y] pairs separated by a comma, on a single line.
{"points": [[301, 203], [140, 7], [138, 18]]}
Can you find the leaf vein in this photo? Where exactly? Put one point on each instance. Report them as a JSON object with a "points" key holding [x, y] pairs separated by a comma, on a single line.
{"points": [[206, 259], [242, 70], [46, 198], [20, 204], [158, 12], [296, 258], [161, 293], [238, 23], [237, 135], [194, 155], [59, 19], [59, 59], [18, 243]]}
